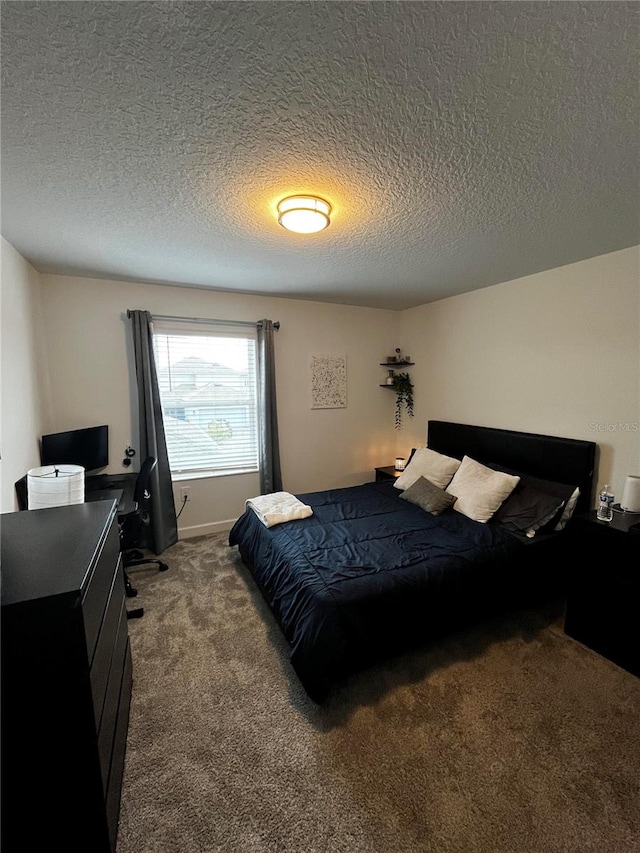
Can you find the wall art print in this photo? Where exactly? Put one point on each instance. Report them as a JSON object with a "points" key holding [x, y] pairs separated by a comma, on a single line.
{"points": [[328, 381]]}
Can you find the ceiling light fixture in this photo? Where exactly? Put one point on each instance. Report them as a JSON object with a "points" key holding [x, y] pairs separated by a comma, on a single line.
{"points": [[304, 214]]}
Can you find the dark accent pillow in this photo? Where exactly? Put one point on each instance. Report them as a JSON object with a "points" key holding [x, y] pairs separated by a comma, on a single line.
{"points": [[562, 491], [527, 508], [424, 494]]}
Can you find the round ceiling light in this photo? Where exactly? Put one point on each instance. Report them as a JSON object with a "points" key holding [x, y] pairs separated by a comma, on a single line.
{"points": [[304, 214]]}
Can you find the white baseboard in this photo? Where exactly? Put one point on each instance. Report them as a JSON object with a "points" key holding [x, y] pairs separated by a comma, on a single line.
{"points": [[205, 529]]}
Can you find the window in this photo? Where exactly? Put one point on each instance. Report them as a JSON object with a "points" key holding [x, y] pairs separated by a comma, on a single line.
{"points": [[208, 390]]}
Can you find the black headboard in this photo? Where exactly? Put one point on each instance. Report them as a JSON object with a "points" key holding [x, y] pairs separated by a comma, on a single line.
{"points": [[563, 460]]}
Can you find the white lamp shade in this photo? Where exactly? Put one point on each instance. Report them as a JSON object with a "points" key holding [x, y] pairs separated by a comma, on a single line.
{"points": [[55, 485], [631, 494]]}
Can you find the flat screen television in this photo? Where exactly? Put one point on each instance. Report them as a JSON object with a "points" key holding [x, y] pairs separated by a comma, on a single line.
{"points": [[86, 447]]}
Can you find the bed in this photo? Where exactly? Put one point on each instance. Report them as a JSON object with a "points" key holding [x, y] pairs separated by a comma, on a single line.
{"points": [[372, 573]]}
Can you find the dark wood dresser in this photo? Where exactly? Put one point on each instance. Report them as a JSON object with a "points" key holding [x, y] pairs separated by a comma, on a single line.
{"points": [[66, 679]]}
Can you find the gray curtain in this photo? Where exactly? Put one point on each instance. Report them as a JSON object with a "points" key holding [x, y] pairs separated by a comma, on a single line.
{"points": [[268, 448], [163, 530]]}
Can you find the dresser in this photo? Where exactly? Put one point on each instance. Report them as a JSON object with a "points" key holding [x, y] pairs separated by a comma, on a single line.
{"points": [[66, 679]]}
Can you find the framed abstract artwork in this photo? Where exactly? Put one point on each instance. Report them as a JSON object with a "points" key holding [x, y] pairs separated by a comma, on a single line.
{"points": [[328, 376]]}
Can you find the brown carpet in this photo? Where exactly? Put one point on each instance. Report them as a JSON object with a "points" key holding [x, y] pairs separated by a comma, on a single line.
{"points": [[503, 739]]}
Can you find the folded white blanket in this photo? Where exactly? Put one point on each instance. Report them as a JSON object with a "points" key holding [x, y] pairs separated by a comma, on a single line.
{"points": [[278, 507]]}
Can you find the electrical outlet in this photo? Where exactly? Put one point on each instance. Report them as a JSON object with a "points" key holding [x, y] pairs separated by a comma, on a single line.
{"points": [[185, 493]]}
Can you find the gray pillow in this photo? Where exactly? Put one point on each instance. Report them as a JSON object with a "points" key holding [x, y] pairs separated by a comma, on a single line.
{"points": [[424, 494]]}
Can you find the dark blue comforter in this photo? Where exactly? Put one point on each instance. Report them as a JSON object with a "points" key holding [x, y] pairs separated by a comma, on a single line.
{"points": [[369, 574]]}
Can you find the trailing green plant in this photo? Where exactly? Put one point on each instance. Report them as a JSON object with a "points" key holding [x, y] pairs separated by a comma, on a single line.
{"points": [[403, 387]]}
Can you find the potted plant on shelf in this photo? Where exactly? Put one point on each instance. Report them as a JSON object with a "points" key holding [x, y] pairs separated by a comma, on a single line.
{"points": [[403, 387]]}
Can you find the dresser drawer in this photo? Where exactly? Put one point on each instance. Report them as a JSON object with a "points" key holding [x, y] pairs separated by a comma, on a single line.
{"points": [[97, 591], [111, 703], [104, 652], [114, 789]]}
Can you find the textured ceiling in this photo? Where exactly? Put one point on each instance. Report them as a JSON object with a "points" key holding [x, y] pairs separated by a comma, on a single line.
{"points": [[460, 144]]}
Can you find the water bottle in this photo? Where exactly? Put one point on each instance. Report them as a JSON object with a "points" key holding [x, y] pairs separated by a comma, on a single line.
{"points": [[605, 505]]}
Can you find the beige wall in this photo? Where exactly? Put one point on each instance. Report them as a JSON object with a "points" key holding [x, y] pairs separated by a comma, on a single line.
{"points": [[555, 353], [25, 411], [91, 382]]}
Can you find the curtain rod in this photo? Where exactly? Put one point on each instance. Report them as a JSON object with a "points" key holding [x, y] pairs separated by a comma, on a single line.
{"points": [[170, 319]]}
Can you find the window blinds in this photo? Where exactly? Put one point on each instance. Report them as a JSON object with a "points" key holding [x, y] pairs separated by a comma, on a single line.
{"points": [[207, 379]]}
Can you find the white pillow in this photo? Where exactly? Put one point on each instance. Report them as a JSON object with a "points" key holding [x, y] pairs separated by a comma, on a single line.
{"points": [[480, 490], [569, 507], [435, 467]]}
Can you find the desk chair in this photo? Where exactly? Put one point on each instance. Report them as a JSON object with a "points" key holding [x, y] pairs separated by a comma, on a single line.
{"points": [[131, 525]]}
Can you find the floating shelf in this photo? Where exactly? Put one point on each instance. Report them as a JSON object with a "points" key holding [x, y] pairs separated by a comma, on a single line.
{"points": [[393, 364]]}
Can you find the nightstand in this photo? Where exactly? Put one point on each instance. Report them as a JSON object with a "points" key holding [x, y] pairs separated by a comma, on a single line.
{"points": [[387, 473], [603, 597]]}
